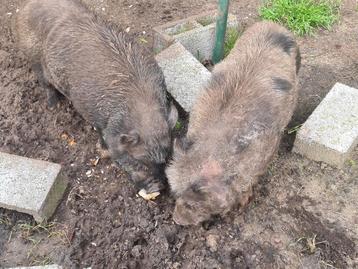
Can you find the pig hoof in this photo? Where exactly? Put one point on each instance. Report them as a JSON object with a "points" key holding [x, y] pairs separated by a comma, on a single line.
{"points": [[104, 153], [245, 200], [52, 104]]}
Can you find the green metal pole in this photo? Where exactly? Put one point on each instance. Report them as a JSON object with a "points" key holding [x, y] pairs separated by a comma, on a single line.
{"points": [[221, 22]]}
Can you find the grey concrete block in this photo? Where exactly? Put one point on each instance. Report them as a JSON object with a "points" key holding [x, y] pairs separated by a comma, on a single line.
{"points": [[196, 34], [52, 266], [185, 76], [30, 186], [331, 133]]}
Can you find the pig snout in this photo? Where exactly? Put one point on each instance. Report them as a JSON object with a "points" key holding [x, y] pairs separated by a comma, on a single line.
{"points": [[151, 179], [184, 214]]}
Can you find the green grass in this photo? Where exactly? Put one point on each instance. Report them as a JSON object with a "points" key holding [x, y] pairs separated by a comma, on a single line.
{"points": [[181, 28], [294, 129], [178, 126], [204, 21], [232, 34], [301, 16], [352, 163]]}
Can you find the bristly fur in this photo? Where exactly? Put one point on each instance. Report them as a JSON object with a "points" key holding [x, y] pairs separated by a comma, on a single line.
{"points": [[115, 84], [236, 124]]}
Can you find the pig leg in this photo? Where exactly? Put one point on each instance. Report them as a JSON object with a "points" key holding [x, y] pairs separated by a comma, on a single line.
{"points": [[245, 198], [53, 96], [102, 146]]}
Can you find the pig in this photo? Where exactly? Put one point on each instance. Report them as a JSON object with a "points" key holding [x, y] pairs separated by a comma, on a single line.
{"points": [[235, 125], [111, 81]]}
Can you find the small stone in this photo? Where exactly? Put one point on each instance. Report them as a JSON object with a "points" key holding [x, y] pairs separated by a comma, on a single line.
{"points": [[276, 240], [211, 242], [136, 251], [81, 190]]}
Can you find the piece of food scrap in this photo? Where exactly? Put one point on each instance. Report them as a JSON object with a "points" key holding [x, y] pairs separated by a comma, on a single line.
{"points": [[148, 196]]}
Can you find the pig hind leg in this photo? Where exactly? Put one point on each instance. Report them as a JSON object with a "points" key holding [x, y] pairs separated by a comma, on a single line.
{"points": [[101, 146], [53, 95]]}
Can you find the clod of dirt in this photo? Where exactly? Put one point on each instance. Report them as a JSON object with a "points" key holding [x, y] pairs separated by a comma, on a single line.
{"points": [[212, 242]]}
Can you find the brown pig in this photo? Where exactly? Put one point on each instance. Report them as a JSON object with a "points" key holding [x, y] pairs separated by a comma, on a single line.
{"points": [[112, 82], [236, 125]]}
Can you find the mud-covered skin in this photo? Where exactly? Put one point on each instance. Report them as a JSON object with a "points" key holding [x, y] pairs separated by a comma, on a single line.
{"points": [[111, 81], [236, 125]]}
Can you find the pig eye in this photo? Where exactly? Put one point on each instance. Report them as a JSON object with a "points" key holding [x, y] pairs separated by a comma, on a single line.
{"points": [[195, 188]]}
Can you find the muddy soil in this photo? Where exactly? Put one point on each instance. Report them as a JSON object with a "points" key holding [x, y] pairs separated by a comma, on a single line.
{"points": [[304, 214]]}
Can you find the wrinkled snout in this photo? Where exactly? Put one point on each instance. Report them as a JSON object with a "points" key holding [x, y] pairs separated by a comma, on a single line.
{"points": [[185, 216], [152, 179]]}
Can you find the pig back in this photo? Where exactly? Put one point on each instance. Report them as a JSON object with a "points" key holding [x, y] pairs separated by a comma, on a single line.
{"points": [[99, 68], [260, 73]]}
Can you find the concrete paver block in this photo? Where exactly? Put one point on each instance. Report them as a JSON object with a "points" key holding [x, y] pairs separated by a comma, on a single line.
{"points": [[52, 266], [196, 34], [184, 75], [331, 133], [30, 186]]}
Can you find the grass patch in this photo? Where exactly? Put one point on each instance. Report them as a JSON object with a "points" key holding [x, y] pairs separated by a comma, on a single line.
{"points": [[352, 163], [180, 28], [5, 221], [232, 34], [178, 126], [301, 16], [204, 21], [40, 261], [294, 129]]}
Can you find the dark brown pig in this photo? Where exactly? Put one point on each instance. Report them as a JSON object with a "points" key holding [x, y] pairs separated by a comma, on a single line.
{"points": [[236, 125], [113, 83]]}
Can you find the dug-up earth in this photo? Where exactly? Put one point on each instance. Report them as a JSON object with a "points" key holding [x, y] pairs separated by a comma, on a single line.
{"points": [[304, 214]]}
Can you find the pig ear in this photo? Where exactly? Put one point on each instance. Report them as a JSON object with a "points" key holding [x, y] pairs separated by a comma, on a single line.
{"points": [[173, 116], [129, 139]]}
